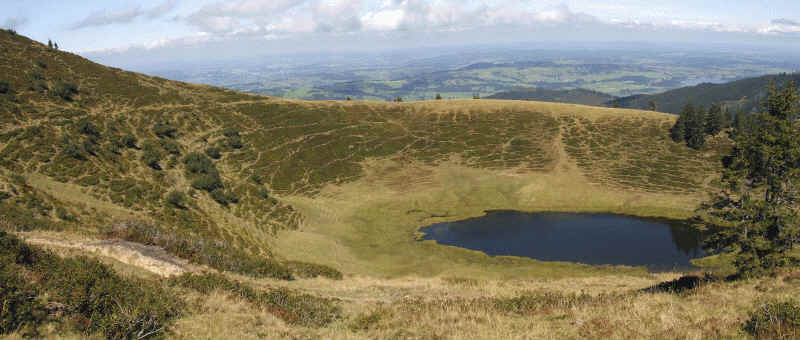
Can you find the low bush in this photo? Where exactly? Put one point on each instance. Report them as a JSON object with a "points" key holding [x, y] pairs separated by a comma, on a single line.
{"points": [[207, 182], [213, 152], [128, 141], [177, 199], [101, 301], [86, 127], [235, 142], [18, 307], [292, 307], [170, 146], [312, 270], [151, 156], [164, 129], [4, 87], [65, 90], [215, 254], [71, 149], [366, 321], [95, 298], [15, 218], [775, 320]]}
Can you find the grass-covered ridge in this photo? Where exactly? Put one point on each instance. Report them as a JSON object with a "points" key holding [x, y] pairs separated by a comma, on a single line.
{"points": [[211, 166], [304, 215]]}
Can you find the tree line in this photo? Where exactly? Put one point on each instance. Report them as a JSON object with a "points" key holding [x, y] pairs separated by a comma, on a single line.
{"points": [[756, 204], [695, 123]]}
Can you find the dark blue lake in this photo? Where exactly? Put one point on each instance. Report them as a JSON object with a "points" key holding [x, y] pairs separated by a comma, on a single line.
{"points": [[659, 244]]}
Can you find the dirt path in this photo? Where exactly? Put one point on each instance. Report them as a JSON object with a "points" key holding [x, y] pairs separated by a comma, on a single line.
{"points": [[152, 259]]}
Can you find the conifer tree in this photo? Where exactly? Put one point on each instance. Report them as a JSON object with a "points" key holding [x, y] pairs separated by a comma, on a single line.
{"points": [[49, 43], [759, 194], [714, 120], [678, 131], [695, 127]]}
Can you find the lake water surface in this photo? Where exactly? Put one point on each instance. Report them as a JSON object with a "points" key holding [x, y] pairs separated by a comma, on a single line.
{"points": [[659, 244]]}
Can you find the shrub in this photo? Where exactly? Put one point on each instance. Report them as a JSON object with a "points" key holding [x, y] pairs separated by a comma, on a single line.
{"points": [[64, 215], [294, 308], [235, 142], [170, 146], [96, 298], [177, 199], [151, 156], [17, 301], [65, 90], [775, 320], [213, 152], [196, 163], [215, 254], [15, 252], [86, 127], [204, 174], [36, 75], [312, 270], [128, 141], [16, 218], [102, 301], [4, 87], [230, 132], [222, 197], [4, 196], [207, 182], [70, 149], [164, 129]]}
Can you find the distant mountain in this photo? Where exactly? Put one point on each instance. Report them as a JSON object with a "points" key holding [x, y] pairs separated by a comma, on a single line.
{"points": [[745, 94], [575, 96]]}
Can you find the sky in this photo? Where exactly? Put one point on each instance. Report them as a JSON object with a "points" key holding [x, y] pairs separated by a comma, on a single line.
{"points": [[228, 29]]}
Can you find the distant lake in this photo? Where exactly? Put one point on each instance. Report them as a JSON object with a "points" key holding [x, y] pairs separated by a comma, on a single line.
{"points": [[659, 244]]}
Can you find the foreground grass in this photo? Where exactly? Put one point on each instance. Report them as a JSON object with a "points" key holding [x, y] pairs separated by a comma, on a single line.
{"points": [[613, 307]]}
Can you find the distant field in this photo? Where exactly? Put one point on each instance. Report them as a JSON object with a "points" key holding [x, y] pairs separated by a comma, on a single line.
{"points": [[615, 72]]}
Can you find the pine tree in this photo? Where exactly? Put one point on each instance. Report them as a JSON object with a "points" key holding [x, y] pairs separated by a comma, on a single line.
{"points": [[758, 197], [714, 120], [678, 131], [695, 127], [49, 43], [651, 105]]}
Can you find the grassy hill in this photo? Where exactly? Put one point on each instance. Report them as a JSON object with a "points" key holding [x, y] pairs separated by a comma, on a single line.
{"points": [[575, 96], [746, 94], [299, 219]]}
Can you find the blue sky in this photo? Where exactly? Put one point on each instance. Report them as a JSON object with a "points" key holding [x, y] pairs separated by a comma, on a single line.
{"points": [[113, 26]]}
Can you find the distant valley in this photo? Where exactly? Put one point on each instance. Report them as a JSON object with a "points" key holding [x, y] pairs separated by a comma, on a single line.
{"points": [[412, 75]]}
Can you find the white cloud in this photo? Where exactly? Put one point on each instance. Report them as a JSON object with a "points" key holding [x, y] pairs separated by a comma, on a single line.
{"points": [[296, 20], [337, 15], [103, 18], [781, 26]]}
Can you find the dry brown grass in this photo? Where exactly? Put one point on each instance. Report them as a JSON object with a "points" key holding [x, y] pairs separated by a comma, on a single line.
{"points": [[448, 308]]}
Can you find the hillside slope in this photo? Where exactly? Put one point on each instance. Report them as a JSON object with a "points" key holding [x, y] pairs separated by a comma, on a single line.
{"points": [[268, 190], [745, 94], [575, 96], [89, 148]]}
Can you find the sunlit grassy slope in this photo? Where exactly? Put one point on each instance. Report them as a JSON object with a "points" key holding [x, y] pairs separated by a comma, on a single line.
{"points": [[350, 177], [84, 148]]}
